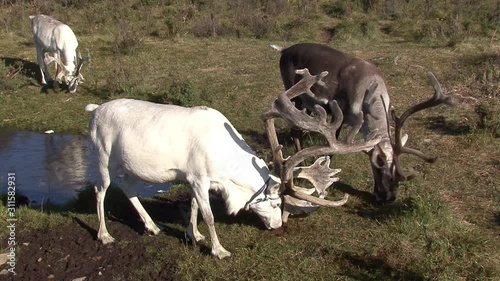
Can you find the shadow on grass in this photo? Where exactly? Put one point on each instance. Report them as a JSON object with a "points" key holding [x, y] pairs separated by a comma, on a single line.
{"points": [[259, 141], [497, 218], [24, 67], [367, 197], [368, 267], [30, 70], [16, 67], [383, 212], [439, 124], [484, 59], [89, 229], [164, 210]]}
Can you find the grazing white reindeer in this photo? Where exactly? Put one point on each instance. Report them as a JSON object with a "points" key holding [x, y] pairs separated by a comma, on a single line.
{"points": [[56, 42], [160, 143]]}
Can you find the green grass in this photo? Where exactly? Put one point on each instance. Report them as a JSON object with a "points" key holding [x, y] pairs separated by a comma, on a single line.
{"points": [[445, 223]]}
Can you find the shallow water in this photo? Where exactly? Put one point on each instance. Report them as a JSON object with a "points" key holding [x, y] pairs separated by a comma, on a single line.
{"points": [[52, 166]]}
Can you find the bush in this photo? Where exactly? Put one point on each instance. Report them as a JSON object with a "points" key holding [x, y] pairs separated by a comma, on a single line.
{"points": [[488, 119], [335, 9], [349, 30], [128, 40], [179, 93], [208, 27], [120, 79]]}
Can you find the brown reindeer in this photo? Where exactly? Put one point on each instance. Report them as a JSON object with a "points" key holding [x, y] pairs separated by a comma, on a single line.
{"points": [[357, 87]]}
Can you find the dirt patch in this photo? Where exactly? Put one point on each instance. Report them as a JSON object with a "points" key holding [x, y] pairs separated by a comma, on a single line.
{"points": [[71, 250]]}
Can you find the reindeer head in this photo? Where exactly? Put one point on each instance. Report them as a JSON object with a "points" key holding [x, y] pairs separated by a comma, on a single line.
{"points": [[266, 203], [71, 78], [385, 175], [385, 156]]}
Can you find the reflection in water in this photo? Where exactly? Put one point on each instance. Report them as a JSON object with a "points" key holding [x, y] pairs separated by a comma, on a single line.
{"points": [[65, 159], [52, 167]]}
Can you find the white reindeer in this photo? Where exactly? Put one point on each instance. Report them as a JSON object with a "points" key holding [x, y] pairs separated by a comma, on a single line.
{"points": [[160, 143], [56, 42]]}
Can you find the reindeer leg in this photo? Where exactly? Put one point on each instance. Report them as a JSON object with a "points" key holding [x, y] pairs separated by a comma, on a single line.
{"points": [[41, 64], [355, 128], [103, 234], [129, 190], [296, 135], [57, 80], [55, 85], [200, 188], [192, 230]]}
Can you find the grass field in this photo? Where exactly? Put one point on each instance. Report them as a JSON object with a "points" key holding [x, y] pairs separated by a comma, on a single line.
{"points": [[445, 224]]}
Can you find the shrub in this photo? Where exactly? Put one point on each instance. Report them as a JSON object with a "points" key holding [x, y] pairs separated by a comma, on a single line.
{"points": [[179, 93], [256, 24], [121, 79], [209, 27], [335, 9], [353, 30], [128, 40], [488, 119]]}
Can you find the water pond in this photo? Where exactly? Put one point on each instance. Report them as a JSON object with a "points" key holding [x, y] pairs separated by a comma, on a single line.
{"points": [[52, 167]]}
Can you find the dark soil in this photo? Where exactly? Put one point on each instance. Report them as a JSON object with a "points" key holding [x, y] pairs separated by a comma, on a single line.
{"points": [[70, 251]]}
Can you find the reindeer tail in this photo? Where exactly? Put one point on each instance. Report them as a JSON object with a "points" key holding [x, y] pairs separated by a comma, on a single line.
{"points": [[91, 107], [277, 48]]}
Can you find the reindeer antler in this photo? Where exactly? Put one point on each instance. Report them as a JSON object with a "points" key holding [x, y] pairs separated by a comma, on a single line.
{"points": [[319, 175], [438, 98], [87, 59]]}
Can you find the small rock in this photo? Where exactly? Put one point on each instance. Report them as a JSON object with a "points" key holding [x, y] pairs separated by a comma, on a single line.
{"points": [[39, 260], [79, 278], [52, 276], [49, 132], [3, 258]]}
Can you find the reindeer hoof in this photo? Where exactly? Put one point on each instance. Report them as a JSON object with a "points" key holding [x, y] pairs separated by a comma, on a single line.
{"points": [[106, 239], [55, 85], [153, 230], [221, 253], [194, 238]]}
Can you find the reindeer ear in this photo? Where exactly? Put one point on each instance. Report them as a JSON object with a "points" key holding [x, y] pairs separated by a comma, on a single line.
{"points": [[368, 151], [404, 139], [274, 184], [380, 151]]}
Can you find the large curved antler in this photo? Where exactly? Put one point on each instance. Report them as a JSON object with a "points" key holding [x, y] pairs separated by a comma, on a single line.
{"points": [[438, 98], [87, 59], [319, 175], [48, 59]]}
